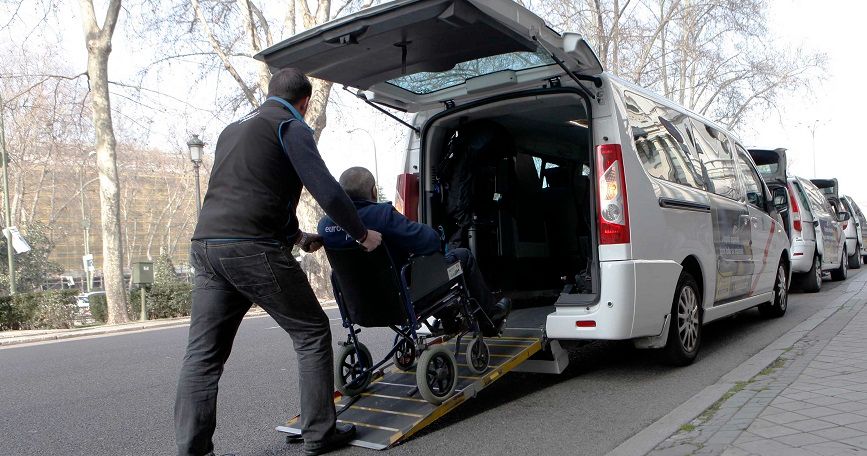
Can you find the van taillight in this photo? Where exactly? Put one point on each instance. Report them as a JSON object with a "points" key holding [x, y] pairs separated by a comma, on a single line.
{"points": [[795, 210], [407, 195], [613, 209]]}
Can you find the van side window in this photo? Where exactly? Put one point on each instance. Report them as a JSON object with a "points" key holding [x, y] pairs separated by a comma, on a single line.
{"points": [[718, 161], [752, 183], [664, 149], [803, 196]]}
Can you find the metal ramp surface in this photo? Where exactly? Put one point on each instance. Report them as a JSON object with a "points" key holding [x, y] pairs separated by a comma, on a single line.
{"points": [[386, 413]]}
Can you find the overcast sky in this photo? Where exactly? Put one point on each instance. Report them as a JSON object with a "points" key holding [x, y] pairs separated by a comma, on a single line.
{"points": [[835, 108]]}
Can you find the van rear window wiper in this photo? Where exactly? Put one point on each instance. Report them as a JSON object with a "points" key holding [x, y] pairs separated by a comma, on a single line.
{"points": [[360, 95]]}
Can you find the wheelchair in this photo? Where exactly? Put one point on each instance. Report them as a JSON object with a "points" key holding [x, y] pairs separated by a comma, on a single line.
{"points": [[425, 293]]}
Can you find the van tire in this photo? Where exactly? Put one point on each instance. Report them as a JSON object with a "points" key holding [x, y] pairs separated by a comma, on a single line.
{"points": [[855, 259], [686, 317], [811, 281], [777, 307], [842, 272]]}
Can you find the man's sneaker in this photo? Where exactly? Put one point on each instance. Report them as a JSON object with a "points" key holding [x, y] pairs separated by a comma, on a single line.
{"points": [[342, 435]]}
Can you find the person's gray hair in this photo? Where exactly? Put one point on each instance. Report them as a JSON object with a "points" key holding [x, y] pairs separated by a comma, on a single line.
{"points": [[357, 182]]}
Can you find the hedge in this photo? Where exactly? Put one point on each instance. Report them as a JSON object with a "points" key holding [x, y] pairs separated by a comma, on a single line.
{"points": [[39, 310], [162, 300]]}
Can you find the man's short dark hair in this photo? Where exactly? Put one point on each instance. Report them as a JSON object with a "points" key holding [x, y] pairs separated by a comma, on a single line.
{"points": [[290, 84], [357, 182]]}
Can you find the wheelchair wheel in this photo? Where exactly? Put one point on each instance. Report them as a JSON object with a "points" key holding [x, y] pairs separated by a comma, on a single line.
{"points": [[436, 374], [478, 356], [404, 357], [350, 377]]}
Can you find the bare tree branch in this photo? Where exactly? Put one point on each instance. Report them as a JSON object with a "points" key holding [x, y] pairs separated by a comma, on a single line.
{"points": [[248, 93]]}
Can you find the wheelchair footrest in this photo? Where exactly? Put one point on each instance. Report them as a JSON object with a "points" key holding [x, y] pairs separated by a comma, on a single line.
{"points": [[391, 410]]}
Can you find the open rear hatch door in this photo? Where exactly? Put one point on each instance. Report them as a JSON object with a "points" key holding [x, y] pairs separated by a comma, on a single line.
{"points": [[771, 164], [413, 55], [828, 186]]}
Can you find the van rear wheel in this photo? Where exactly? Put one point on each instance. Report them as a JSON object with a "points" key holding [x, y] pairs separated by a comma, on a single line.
{"points": [[842, 272], [811, 281], [684, 329], [855, 259]]}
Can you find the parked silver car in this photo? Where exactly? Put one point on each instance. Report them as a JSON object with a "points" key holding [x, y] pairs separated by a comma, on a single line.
{"points": [[813, 224], [856, 237]]}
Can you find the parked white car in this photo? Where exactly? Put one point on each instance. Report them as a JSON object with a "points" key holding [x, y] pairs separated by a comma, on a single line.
{"points": [[614, 212], [83, 300], [856, 237], [814, 227]]}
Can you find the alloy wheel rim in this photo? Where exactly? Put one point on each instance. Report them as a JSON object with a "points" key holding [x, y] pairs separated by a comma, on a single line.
{"points": [[782, 293], [687, 318]]}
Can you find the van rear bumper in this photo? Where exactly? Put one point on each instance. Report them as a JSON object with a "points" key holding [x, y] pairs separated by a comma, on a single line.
{"points": [[635, 297]]}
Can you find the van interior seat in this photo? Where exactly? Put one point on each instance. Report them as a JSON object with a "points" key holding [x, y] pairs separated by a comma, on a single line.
{"points": [[529, 215]]}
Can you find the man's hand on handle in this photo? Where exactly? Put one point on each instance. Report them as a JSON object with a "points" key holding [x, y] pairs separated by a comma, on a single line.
{"points": [[309, 242], [371, 241]]}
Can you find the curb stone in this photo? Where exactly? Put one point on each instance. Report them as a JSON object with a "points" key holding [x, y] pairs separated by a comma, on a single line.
{"points": [[650, 437], [117, 329]]}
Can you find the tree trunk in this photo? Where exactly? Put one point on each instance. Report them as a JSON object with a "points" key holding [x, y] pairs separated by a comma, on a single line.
{"points": [[309, 213], [98, 42]]}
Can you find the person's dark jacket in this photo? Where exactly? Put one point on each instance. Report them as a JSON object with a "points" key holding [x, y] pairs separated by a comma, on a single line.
{"points": [[256, 182], [401, 235]]}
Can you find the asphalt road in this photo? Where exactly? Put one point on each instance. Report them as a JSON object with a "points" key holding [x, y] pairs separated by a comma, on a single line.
{"points": [[114, 395]]}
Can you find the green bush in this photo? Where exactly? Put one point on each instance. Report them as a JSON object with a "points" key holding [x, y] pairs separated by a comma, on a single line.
{"points": [[54, 309], [39, 310], [98, 307], [13, 315], [162, 300]]}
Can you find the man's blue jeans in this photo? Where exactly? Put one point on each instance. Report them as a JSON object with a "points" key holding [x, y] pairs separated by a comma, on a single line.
{"points": [[230, 276]]}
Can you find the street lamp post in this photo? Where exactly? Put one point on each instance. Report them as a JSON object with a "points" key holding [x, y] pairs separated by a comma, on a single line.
{"points": [[813, 136], [10, 252], [196, 145]]}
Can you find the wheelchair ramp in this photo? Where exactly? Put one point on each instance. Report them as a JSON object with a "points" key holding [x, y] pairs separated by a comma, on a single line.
{"points": [[391, 409]]}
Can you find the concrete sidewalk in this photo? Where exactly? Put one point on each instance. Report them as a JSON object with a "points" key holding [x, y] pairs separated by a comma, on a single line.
{"points": [[8, 338], [811, 401]]}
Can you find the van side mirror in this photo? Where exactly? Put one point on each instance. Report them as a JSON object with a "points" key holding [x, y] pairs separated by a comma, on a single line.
{"points": [[843, 216]]}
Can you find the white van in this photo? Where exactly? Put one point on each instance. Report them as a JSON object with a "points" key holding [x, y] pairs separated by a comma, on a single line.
{"points": [[812, 224], [614, 212]]}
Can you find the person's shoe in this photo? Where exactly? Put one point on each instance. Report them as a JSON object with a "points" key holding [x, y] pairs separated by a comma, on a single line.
{"points": [[342, 435], [501, 310]]}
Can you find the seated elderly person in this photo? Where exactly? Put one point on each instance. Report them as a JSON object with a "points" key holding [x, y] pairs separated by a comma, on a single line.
{"points": [[403, 238]]}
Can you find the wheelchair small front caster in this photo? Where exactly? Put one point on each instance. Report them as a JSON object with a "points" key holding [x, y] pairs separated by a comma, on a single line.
{"points": [[436, 374], [478, 356], [352, 373], [404, 357]]}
